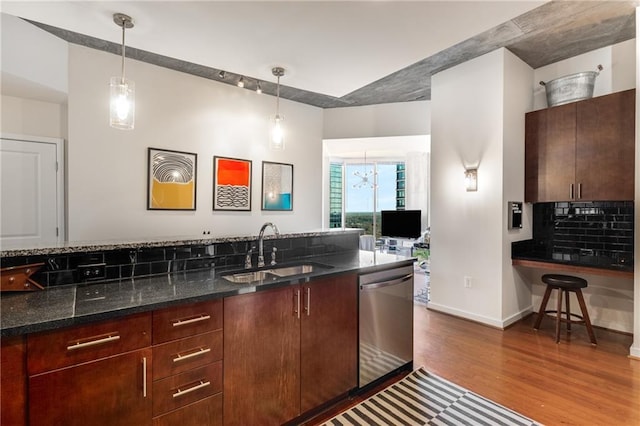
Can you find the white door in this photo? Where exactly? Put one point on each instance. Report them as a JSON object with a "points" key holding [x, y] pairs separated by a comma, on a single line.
{"points": [[29, 193]]}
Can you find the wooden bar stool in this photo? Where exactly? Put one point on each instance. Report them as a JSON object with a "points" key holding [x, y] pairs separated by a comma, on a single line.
{"points": [[565, 284]]}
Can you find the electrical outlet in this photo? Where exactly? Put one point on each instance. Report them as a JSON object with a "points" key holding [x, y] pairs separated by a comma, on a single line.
{"points": [[467, 282], [94, 271]]}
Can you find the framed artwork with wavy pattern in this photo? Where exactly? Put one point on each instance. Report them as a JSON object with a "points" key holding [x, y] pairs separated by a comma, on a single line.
{"points": [[231, 184], [171, 180]]}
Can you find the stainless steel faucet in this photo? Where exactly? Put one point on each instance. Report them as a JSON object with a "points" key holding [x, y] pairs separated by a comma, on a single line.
{"points": [[260, 241], [247, 258]]}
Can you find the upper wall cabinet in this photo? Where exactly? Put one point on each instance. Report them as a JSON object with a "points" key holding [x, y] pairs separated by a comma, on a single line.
{"points": [[581, 151]]}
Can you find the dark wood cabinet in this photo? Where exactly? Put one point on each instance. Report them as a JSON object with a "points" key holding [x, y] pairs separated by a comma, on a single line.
{"points": [[13, 381], [93, 374], [262, 357], [582, 150], [329, 340], [110, 391], [606, 147], [289, 350], [187, 373]]}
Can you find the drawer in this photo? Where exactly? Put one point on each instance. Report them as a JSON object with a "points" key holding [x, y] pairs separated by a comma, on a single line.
{"points": [[184, 388], [204, 412], [73, 345], [186, 320], [185, 354]]}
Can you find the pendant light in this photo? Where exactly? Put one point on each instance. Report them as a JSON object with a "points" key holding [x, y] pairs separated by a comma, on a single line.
{"points": [[122, 99], [276, 142]]}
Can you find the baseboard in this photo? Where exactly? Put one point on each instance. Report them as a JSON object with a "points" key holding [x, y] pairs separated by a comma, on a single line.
{"points": [[517, 317], [491, 322]]}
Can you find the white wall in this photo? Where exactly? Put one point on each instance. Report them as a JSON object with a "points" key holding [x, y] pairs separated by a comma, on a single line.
{"points": [[395, 119], [32, 55], [33, 118], [517, 99], [107, 168], [466, 227]]}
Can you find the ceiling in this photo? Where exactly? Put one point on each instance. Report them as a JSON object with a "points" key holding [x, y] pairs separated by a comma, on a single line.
{"points": [[335, 53]]}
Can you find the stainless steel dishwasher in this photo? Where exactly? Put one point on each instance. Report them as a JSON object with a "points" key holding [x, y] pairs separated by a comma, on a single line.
{"points": [[386, 323]]}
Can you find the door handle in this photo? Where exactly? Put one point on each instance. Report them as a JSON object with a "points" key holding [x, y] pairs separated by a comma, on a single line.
{"points": [[112, 337], [180, 322], [296, 303], [307, 307]]}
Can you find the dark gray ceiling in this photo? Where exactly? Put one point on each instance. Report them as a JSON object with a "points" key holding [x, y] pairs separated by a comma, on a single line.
{"points": [[552, 32]]}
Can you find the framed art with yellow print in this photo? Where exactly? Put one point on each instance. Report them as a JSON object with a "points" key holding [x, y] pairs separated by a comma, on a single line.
{"points": [[171, 180]]}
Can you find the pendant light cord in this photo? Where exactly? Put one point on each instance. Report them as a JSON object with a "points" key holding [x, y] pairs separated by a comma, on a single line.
{"points": [[123, 47], [278, 98]]}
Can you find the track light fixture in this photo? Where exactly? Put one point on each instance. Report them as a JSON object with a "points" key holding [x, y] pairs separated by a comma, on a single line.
{"points": [[258, 87], [222, 74], [122, 91], [241, 82], [277, 133]]}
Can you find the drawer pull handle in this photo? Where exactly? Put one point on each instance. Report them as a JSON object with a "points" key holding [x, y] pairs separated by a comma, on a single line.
{"points": [[80, 345], [191, 321], [200, 351], [202, 384], [144, 376]]}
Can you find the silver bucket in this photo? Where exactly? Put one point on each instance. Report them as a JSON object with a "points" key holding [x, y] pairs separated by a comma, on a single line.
{"points": [[571, 88]]}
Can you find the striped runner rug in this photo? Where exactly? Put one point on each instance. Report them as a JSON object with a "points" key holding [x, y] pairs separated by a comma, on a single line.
{"points": [[422, 398]]}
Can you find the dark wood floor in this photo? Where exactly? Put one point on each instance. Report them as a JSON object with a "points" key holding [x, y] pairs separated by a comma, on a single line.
{"points": [[570, 383]]}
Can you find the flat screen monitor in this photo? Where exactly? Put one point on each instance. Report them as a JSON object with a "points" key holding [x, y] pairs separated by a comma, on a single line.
{"points": [[401, 223]]}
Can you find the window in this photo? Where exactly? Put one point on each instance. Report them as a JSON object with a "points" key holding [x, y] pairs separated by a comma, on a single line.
{"points": [[335, 195], [358, 181]]}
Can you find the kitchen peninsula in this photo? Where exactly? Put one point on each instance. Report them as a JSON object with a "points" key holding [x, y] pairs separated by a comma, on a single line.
{"points": [[159, 333]]}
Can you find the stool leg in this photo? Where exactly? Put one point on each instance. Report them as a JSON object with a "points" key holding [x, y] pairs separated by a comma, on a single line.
{"points": [[543, 307], [585, 317], [566, 294], [558, 315]]}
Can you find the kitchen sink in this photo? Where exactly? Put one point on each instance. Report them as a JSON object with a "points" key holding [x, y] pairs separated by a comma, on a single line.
{"points": [[287, 271], [274, 273], [250, 277]]}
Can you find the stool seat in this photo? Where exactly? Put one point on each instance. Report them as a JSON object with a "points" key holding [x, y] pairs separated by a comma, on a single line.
{"points": [[565, 284], [564, 281]]}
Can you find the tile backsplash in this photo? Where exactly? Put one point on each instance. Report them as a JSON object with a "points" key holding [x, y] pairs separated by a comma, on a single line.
{"points": [[599, 228], [68, 268]]}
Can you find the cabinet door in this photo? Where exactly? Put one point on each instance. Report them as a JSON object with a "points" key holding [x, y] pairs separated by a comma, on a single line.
{"points": [[13, 382], [606, 147], [111, 391], [262, 357], [556, 153], [328, 340], [535, 135]]}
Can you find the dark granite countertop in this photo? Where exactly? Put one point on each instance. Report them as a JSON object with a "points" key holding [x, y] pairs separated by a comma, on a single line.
{"points": [[28, 312], [529, 250], [92, 246]]}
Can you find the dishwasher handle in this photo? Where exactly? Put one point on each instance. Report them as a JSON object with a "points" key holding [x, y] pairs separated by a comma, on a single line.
{"points": [[386, 283]]}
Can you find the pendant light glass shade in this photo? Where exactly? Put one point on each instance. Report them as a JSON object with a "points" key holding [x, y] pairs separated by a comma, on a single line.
{"points": [[123, 103], [276, 141], [122, 106]]}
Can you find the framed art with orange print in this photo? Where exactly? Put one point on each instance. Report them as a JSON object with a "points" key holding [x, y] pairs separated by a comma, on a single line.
{"points": [[171, 180], [231, 184]]}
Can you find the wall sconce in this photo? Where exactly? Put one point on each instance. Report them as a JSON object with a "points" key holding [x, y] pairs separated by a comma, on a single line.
{"points": [[471, 179], [276, 142], [122, 91]]}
